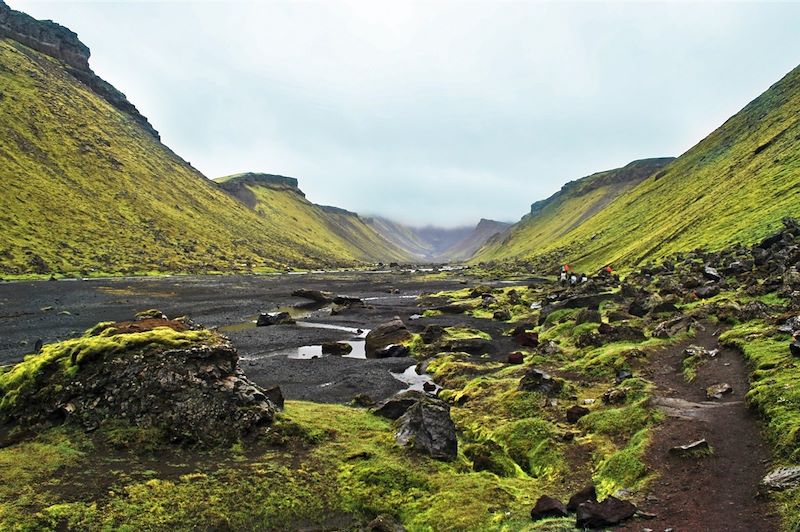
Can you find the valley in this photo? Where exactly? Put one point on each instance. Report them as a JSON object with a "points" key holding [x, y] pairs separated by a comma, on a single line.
{"points": [[181, 351]]}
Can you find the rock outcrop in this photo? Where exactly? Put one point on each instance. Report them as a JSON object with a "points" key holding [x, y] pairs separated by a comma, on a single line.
{"points": [[60, 43], [393, 332], [152, 373], [427, 427]]}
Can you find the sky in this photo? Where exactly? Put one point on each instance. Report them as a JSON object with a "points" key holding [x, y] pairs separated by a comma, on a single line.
{"points": [[432, 112]]}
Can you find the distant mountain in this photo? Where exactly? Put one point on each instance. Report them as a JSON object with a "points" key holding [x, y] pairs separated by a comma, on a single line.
{"points": [[465, 248], [87, 187], [732, 187], [437, 244]]}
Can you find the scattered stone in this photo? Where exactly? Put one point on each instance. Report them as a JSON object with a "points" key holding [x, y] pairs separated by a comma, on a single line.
{"points": [[782, 478], [587, 316], [348, 301], [396, 406], [699, 446], [623, 375], [432, 333], [392, 351], [790, 326], [314, 295], [527, 339], [615, 396], [575, 412], [501, 315], [386, 334], [716, 391], [275, 396], [336, 348], [706, 292], [711, 274], [794, 348], [427, 427], [587, 494], [536, 380], [454, 308], [363, 400], [278, 318], [548, 507], [610, 512], [517, 357], [428, 387]]}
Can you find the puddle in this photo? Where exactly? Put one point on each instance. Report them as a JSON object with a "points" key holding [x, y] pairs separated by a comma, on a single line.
{"points": [[389, 296], [307, 352], [413, 379], [298, 312]]}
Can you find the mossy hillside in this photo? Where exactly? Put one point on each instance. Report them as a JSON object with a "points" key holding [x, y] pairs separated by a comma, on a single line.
{"points": [[87, 190], [313, 228], [704, 199]]}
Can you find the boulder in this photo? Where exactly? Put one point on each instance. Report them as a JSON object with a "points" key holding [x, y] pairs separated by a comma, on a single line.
{"points": [[196, 393], [278, 318], [790, 326], [473, 346], [536, 380], [587, 494], [427, 427], [432, 333], [391, 332], [587, 316], [501, 315], [275, 396], [392, 351], [385, 523], [548, 507], [347, 301], [396, 406], [794, 348], [716, 391], [782, 478], [526, 339], [314, 295], [610, 512], [711, 274], [517, 357], [706, 292], [336, 348], [455, 308], [575, 412]]}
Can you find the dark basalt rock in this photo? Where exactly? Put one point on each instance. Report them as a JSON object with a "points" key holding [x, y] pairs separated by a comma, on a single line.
{"points": [[473, 346], [275, 396], [195, 394], [279, 318], [610, 512], [794, 348], [336, 348], [501, 315], [392, 351], [318, 296], [348, 301], [427, 427], [575, 412], [587, 494], [711, 274], [385, 523], [517, 357], [396, 406], [706, 292], [548, 507], [587, 316], [393, 332], [526, 339], [432, 333], [536, 380]]}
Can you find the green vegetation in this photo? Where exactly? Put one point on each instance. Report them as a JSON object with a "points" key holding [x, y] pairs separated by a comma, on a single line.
{"points": [[704, 199], [87, 191]]}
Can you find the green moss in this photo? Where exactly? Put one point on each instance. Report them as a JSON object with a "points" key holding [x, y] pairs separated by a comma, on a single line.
{"points": [[624, 469], [464, 333], [531, 444], [621, 422]]}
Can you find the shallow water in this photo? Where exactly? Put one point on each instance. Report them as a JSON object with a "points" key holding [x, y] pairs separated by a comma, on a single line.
{"points": [[414, 380]]}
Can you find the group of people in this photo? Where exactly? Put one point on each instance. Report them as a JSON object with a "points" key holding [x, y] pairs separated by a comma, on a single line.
{"points": [[569, 275]]}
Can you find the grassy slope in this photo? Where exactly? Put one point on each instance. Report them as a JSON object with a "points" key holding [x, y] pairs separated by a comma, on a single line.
{"points": [[402, 236], [312, 227], [553, 219], [87, 190], [734, 186]]}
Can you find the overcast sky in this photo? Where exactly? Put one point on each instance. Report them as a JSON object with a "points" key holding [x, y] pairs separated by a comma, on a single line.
{"points": [[432, 112]]}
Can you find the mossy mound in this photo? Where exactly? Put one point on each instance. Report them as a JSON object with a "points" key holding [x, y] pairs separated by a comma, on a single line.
{"points": [[152, 373]]}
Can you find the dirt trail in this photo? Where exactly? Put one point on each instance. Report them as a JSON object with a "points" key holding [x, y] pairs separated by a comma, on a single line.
{"points": [[712, 493]]}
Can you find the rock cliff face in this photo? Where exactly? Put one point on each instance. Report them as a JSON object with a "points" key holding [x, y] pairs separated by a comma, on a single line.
{"points": [[60, 43]]}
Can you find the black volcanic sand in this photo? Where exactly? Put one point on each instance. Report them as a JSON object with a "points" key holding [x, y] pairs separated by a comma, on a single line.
{"points": [[57, 310]]}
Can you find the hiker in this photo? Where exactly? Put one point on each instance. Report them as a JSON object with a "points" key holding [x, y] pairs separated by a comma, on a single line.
{"points": [[573, 279]]}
